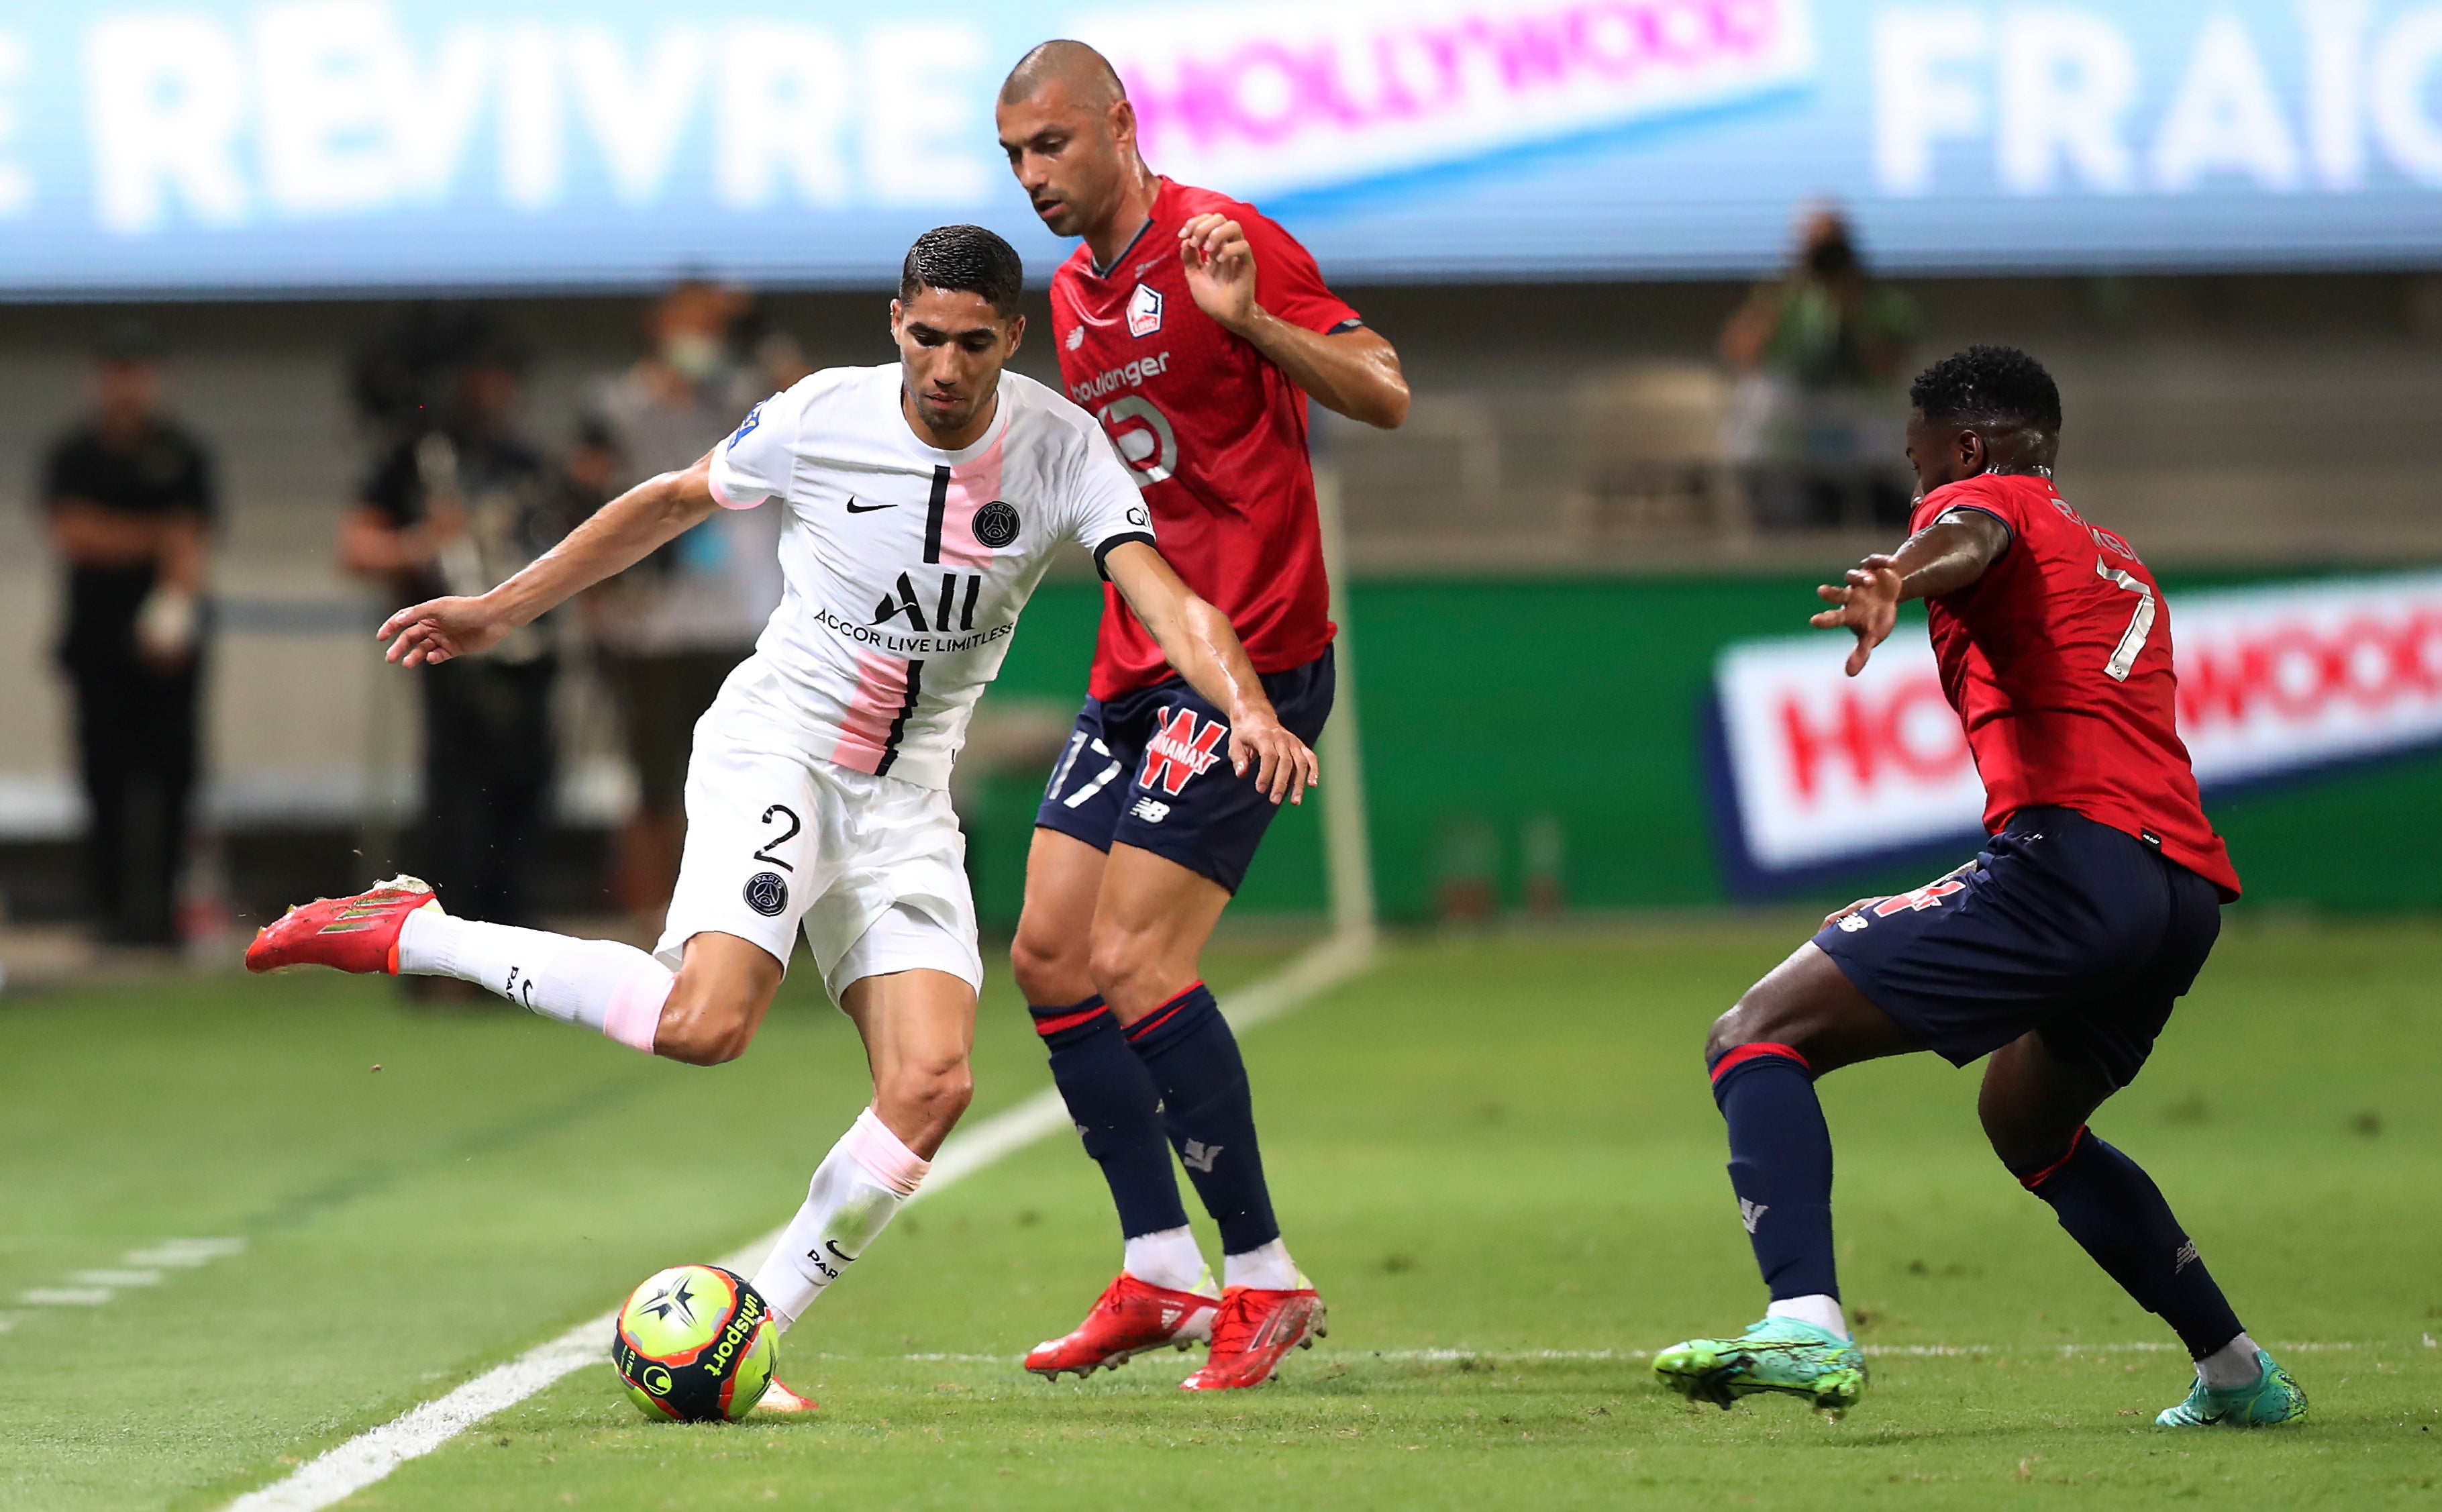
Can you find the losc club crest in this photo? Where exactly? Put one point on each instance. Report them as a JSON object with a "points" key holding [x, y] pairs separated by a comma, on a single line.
{"points": [[995, 524], [1144, 311]]}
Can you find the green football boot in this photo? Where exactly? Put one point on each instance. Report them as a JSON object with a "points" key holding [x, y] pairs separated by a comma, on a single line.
{"points": [[1777, 1354], [2272, 1398]]}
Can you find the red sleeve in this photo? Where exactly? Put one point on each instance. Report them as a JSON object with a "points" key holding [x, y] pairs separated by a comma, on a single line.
{"points": [[1985, 493], [1288, 283]]}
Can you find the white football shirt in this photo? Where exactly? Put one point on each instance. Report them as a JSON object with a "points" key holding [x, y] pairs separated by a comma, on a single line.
{"points": [[907, 566]]}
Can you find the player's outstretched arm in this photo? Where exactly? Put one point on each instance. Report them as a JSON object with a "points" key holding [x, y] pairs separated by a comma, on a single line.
{"points": [[616, 538], [1351, 373], [1942, 558], [1199, 643]]}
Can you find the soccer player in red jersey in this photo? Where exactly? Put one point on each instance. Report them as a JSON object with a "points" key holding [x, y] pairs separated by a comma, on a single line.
{"points": [[2058, 952], [1194, 329]]}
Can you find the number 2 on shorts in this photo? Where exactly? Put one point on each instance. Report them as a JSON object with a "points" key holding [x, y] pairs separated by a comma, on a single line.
{"points": [[763, 853]]}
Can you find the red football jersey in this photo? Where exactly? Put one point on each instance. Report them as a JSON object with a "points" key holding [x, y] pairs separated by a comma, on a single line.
{"points": [[1214, 432], [2058, 661]]}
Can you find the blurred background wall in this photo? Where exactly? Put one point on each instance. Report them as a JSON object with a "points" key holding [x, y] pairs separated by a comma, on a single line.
{"points": [[2215, 223]]}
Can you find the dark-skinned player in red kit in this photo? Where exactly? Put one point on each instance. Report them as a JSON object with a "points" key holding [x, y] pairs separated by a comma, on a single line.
{"points": [[2059, 951], [1194, 330]]}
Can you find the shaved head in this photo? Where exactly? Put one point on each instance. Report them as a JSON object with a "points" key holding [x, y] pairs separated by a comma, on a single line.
{"points": [[1071, 135], [1084, 74]]}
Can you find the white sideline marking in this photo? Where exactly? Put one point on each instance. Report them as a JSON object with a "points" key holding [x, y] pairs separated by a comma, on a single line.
{"points": [[371, 1455], [186, 1254], [94, 1288]]}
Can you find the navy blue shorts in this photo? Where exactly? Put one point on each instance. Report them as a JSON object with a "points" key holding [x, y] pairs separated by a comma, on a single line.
{"points": [[1151, 768], [2064, 927]]}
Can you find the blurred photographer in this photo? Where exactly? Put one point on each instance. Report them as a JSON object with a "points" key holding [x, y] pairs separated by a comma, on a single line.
{"points": [[130, 500], [457, 509], [1818, 413], [673, 625]]}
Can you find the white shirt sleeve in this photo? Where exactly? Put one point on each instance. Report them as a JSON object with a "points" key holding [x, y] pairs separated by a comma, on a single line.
{"points": [[1105, 507], [760, 457]]}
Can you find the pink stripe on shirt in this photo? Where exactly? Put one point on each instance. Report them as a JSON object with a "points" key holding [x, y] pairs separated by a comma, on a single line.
{"points": [[973, 485], [864, 731]]}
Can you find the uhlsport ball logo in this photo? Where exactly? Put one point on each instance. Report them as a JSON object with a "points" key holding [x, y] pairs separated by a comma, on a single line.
{"points": [[695, 1343]]}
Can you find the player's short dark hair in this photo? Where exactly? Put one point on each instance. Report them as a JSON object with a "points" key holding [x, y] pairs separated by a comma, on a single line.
{"points": [[968, 259], [1988, 383]]}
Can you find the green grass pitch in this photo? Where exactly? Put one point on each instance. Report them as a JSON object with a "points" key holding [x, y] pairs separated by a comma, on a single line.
{"points": [[1497, 1158]]}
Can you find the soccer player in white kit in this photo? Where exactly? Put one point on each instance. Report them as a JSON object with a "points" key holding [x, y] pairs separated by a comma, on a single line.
{"points": [[924, 499]]}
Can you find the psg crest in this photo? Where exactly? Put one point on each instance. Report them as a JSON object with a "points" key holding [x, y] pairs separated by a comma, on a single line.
{"points": [[767, 893], [995, 524]]}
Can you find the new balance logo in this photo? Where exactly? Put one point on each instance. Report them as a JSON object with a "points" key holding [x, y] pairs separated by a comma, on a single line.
{"points": [[1752, 1213], [1180, 750], [2183, 1257], [1200, 1156], [1152, 810]]}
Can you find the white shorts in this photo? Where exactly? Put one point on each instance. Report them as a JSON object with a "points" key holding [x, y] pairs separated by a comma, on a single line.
{"points": [[874, 868]]}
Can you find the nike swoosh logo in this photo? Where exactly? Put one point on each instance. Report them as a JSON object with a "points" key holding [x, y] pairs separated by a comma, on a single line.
{"points": [[855, 508]]}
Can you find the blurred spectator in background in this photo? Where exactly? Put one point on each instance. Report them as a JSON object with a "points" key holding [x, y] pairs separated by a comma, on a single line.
{"points": [[130, 497], [456, 509], [1817, 423], [672, 627]]}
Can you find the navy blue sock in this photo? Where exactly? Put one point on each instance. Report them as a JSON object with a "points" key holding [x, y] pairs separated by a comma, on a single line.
{"points": [[1780, 1166], [1187, 1046], [2112, 1208], [1117, 1109]]}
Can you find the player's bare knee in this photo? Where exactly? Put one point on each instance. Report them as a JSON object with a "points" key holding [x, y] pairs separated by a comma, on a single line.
{"points": [[1133, 973], [1723, 1036], [2022, 1135], [2020, 1143], [1118, 965], [1759, 1017], [1047, 970], [927, 1092], [703, 1028]]}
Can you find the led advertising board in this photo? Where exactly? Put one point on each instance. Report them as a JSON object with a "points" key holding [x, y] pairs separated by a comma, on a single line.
{"points": [[1816, 772], [214, 145]]}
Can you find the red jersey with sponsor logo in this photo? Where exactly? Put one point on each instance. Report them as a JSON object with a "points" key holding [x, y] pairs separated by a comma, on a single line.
{"points": [[2058, 661], [1214, 432]]}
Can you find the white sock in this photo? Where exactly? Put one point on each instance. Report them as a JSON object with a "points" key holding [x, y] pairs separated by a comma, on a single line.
{"points": [[610, 987], [1821, 1310], [865, 1180], [1167, 1258], [1266, 1267], [2233, 1364]]}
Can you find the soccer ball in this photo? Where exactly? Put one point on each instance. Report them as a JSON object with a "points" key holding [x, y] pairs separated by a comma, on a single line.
{"points": [[695, 1343]]}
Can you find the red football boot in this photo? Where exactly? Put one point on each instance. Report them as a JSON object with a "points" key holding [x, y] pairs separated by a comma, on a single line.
{"points": [[780, 1401], [1130, 1317], [357, 934], [1253, 1331]]}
